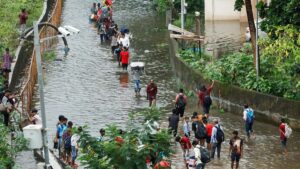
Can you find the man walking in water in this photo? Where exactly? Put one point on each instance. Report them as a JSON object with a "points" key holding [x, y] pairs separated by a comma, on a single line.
{"points": [[204, 97], [217, 137], [236, 149], [137, 72], [180, 102], [248, 116], [151, 93]]}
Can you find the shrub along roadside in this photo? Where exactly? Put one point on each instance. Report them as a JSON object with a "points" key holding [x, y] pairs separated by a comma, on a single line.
{"points": [[237, 69], [7, 151]]}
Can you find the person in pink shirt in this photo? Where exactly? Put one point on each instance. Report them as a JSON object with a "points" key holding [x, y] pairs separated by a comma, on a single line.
{"points": [[6, 63]]}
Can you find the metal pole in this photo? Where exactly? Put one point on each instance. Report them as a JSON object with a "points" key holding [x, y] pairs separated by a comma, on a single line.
{"points": [[256, 45], [41, 90], [182, 16]]}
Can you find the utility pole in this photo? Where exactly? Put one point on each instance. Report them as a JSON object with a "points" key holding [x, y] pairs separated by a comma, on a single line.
{"points": [[37, 48], [182, 15], [256, 46]]}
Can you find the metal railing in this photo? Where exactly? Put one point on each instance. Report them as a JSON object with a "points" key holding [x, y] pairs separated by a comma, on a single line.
{"points": [[28, 90]]}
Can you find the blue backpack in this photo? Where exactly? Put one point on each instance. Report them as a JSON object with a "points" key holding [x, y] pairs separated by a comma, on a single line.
{"points": [[249, 115]]}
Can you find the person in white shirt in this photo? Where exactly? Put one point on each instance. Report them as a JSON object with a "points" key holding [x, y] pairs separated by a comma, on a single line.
{"points": [[124, 40], [197, 151], [75, 146], [248, 117], [186, 127], [34, 117]]}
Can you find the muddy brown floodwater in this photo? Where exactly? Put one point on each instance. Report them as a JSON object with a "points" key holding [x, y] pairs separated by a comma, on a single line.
{"points": [[90, 89]]}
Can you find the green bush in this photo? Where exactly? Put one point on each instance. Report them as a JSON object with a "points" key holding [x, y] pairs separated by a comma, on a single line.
{"points": [[237, 69], [8, 152], [111, 154]]}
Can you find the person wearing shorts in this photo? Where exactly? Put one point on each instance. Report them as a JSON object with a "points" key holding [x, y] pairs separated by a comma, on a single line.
{"points": [[236, 149]]}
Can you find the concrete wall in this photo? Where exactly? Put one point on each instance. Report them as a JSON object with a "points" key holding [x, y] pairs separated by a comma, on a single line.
{"points": [[224, 10], [232, 98]]}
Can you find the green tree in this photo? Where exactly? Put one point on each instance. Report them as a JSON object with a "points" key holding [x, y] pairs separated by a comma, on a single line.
{"points": [[129, 149], [238, 6], [280, 13]]}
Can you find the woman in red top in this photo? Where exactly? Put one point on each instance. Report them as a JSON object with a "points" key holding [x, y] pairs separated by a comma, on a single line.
{"points": [[201, 95], [124, 58], [283, 138]]}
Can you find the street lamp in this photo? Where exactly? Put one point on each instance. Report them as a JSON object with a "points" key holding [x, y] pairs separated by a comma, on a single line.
{"points": [[65, 31]]}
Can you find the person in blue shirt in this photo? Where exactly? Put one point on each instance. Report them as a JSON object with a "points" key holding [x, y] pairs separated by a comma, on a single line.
{"points": [[61, 127], [215, 142]]}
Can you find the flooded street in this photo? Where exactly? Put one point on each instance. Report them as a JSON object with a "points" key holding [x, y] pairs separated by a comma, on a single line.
{"points": [[90, 89]]}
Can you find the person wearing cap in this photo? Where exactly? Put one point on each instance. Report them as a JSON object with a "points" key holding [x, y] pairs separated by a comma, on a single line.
{"points": [[34, 117]]}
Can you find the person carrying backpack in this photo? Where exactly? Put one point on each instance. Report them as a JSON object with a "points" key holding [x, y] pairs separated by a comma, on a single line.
{"points": [[201, 157], [180, 102], [201, 132], [217, 138], [248, 116], [204, 97]]}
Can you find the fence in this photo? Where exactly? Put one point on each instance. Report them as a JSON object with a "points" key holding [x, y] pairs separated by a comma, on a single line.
{"points": [[53, 14]]}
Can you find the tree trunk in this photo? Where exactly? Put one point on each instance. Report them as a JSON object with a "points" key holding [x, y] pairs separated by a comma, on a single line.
{"points": [[251, 27]]}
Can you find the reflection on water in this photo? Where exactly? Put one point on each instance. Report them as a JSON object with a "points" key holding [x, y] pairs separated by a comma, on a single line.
{"points": [[124, 79], [89, 89], [224, 36]]}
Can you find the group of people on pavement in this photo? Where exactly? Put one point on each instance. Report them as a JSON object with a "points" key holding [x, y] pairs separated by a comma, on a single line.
{"points": [[67, 141]]}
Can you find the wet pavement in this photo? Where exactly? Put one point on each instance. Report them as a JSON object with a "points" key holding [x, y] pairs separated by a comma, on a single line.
{"points": [[89, 88]]}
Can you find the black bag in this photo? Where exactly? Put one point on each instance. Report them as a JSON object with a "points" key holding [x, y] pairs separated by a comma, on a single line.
{"points": [[207, 100], [205, 155], [180, 104], [201, 132], [220, 135]]}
